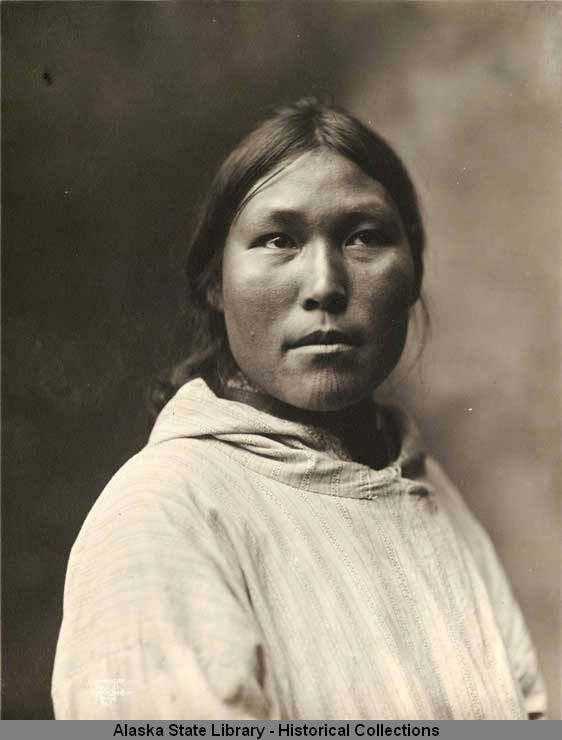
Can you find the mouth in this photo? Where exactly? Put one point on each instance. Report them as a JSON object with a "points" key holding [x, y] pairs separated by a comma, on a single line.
{"points": [[330, 341]]}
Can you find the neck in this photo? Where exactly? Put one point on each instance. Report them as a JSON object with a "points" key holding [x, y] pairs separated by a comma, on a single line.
{"points": [[355, 427]]}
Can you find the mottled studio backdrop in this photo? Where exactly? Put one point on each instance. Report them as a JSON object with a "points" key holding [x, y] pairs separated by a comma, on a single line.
{"points": [[114, 117]]}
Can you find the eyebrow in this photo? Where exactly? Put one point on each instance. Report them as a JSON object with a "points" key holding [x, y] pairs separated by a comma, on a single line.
{"points": [[368, 210]]}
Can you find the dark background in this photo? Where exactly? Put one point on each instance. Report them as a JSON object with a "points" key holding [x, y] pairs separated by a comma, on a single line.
{"points": [[114, 117]]}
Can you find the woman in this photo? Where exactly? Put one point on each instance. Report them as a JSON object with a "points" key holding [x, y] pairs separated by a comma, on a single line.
{"points": [[283, 547]]}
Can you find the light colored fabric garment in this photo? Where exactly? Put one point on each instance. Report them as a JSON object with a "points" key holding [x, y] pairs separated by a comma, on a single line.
{"points": [[238, 567]]}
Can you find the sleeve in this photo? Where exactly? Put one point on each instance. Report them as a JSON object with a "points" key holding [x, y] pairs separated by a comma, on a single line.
{"points": [[508, 614], [156, 621]]}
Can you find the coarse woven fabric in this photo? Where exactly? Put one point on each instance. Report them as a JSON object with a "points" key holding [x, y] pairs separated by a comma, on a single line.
{"points": [[239, 567]]}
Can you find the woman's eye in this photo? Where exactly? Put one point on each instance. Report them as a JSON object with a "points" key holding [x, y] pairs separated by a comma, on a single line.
{"points": [[369, 238], [276, 241]]}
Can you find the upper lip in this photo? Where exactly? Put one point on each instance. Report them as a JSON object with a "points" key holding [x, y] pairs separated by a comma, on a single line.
{"points": [[326, 336]]}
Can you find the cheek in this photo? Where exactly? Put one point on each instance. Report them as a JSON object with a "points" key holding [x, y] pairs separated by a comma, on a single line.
{"points": [[255, 289], [252, 305], [388, 292]]}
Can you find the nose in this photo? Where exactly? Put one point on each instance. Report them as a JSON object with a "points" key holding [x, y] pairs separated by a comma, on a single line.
{"points": [[325, 280]]}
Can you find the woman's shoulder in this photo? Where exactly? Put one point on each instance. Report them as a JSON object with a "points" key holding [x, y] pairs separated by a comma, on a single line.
{"points": [[160, 492], [464, 521], [165, 469], [417, 462]]}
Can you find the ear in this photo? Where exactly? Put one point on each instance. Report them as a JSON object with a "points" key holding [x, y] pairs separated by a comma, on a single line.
{"points": [[214, 296]]}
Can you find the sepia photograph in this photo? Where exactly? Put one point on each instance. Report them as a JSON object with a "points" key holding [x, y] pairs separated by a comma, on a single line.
{"points": [[282, 360]]}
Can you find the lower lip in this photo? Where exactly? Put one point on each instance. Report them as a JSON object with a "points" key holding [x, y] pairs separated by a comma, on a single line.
{"points": [[324, 349]]}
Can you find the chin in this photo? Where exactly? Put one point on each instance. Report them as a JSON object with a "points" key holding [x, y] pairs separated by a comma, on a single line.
{"points": [[325, 399]]}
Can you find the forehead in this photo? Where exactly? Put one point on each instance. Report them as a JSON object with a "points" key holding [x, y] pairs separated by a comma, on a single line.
{"points": [[315, 183]]}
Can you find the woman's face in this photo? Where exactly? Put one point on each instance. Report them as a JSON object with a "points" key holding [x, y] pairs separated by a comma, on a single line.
{"points": [[317, 284]]}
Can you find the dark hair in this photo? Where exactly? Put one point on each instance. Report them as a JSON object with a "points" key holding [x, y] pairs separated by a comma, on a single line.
{"points": [[293, 130]]}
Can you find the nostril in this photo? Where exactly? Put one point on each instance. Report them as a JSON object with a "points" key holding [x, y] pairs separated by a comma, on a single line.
{"points": [[332, 303]]}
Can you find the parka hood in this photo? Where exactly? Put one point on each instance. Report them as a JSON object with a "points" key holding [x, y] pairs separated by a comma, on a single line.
{"points": [[305, 457]]}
